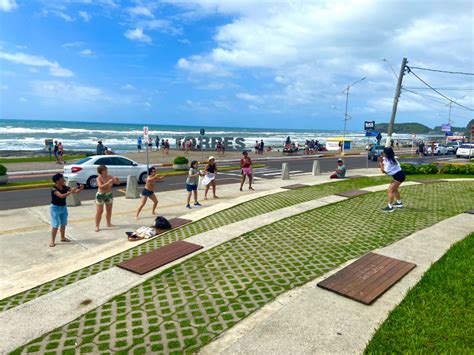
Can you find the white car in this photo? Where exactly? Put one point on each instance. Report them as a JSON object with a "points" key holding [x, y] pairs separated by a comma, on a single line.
{"points": [[465, 151], [84, 171], [439, 149]]}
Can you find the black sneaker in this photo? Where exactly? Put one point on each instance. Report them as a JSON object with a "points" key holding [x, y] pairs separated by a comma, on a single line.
{"points": [[399, 205], [387, 209]]}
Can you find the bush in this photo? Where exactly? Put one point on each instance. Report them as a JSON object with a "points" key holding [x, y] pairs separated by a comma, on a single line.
{"points": [[427, 169], [180, 160], [465, 169], [3, 170], [409, 169]]}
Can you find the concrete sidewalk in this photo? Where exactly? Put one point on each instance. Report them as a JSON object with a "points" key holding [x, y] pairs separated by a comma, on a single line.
{"points": [[28, 261]]}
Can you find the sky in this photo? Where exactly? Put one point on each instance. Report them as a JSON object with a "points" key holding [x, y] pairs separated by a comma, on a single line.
{"points": [[262, 64]]}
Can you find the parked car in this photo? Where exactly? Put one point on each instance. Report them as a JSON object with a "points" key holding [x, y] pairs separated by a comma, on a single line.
{"points": [[465, 151], [375, 152], [439, 149], [84, 171], [453, 146]]}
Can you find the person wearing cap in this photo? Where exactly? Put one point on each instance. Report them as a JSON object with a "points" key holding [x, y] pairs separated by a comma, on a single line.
{"points": [[340, 172], [100, 148], [246, 167], [210, 179]]}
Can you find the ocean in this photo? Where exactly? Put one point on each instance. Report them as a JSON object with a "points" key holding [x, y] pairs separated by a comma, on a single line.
{"points": [[18, 135]]}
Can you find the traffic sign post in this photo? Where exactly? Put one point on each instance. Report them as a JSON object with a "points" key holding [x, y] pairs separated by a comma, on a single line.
{"points": [[369, 126], [202, 132], [145, 139]]}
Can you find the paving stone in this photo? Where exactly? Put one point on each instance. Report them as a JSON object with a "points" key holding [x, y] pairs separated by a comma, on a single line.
{"points": [[183, 309]]}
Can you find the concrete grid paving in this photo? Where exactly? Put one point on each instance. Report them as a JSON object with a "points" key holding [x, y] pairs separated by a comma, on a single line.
{"points": [[185, 307], [240, 212]]}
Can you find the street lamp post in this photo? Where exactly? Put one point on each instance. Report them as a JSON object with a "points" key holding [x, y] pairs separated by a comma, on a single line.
{"points": [[346, 116]]}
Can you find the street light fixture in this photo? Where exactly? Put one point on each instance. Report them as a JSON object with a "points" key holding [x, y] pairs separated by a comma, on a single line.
{"points": [[346, 115]]}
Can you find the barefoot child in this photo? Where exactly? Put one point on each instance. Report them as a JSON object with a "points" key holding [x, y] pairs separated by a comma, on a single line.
{"points": [[148, 191], [192, 183], [104, 196], [58, 207], [246, 167], [210, 178]]}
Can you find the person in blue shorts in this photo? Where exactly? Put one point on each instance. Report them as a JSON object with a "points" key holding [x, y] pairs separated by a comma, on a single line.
{"points": [[192, 183], [148, 192], [58, 207]]}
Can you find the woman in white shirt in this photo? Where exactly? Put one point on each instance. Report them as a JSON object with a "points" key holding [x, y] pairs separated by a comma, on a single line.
{"points": [[390, 166]]}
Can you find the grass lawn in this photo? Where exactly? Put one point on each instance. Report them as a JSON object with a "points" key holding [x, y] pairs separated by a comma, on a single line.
{"points": [[38, 159], [437, 315]]}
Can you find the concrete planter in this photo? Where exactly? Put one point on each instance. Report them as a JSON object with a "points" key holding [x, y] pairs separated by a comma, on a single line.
{"points": [[3, 179], [180, 166]]}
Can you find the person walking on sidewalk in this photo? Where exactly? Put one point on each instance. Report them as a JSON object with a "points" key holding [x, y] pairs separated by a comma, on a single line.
{"points": [[58, 207], [148, 191], [104, 196], [246, 167], [390, 166], [192, 183], [210, 178]]}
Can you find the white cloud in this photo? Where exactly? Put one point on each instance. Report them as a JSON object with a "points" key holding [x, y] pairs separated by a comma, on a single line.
{"points": [[60, 14], [249, 97], [37, 61], [128, 87], [85, 52], [140, 11], [73, 44], [307, 51], [85, 16], [8, 5], [138, 35], [3, 87], [22, 99], [147, 104], [67, 91]]}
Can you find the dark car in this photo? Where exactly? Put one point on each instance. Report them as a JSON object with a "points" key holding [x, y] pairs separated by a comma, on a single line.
{"points": [[375, 152]]}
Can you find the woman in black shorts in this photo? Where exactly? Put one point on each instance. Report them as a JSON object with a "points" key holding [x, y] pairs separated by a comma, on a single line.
{"points": [[390, 166]]}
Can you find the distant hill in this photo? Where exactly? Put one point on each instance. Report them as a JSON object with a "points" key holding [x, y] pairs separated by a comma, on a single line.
{"points": [[407, 128], [437, 129], [467, 132]]}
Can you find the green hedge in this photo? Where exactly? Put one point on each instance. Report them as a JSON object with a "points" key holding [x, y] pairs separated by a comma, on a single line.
{"points": [[180, 160], [3, 170], [410, 169]]}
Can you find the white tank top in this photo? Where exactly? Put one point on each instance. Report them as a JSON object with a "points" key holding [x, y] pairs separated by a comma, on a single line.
{"points": [[391, 168]]}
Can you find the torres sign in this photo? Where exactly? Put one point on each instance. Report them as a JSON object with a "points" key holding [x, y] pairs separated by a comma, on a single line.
{"points": [[229, 143]]}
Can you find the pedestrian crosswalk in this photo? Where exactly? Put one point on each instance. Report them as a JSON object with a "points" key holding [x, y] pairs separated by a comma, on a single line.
{"points": [[265, 173]]}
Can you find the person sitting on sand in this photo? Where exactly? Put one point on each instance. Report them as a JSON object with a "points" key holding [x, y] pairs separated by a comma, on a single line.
{"points": [[58, 207], [104, 196], [148, 191], [340, 172]]}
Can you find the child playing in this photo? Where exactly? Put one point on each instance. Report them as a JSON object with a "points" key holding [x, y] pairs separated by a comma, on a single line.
{"points": [[192, 183], [58, 207], [148, 191], [104, 196], [246, 167]]}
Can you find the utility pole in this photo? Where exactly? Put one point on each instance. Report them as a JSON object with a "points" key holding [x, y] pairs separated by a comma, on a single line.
{"points": [[395, 102]]}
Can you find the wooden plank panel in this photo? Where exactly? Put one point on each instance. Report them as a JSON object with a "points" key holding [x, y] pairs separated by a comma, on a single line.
{"points": [[367, 278], [294, 186], [352, 193], [159, 257]]}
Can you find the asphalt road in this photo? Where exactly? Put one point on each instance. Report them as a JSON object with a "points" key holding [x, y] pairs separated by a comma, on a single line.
{"points": [[41, 196]]}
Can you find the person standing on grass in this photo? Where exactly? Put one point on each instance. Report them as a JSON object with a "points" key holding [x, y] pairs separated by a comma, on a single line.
{"points": [[192, 183], [210, 178], [104, 196], [390, 166], [58, 207], [340, 172], [246, 167], [148, 191]]}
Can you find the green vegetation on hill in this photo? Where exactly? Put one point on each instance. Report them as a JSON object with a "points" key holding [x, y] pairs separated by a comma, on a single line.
{"points": [[408, 128]]}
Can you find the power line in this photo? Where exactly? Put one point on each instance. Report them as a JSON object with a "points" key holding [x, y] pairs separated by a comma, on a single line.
{"points": [[429, 97], [443, 71], [432, 88], [455, 89]]}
